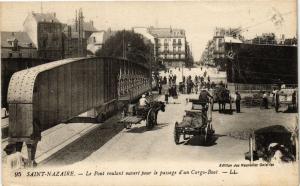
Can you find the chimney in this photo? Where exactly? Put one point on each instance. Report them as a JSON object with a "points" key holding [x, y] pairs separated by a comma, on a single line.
{"points": [[92, 22]]}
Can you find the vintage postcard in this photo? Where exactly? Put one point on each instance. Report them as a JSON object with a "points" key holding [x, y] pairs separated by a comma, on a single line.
{"points": [[158, 93]]}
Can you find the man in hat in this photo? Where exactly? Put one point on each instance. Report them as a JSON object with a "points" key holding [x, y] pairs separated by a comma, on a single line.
{"points": [[143, 101], [204, 97]]}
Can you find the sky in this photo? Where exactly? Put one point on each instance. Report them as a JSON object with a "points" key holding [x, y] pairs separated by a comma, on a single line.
{"points": [[198, 18]]}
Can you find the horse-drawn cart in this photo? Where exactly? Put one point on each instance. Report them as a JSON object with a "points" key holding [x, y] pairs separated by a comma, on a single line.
{"points": [[137, 114], [221, 95], [196, 121]]}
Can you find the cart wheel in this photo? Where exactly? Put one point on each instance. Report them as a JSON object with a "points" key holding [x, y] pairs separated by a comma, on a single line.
{"points": [[176, 134], [150, 122], [209, 132], [100, 118], [156, 118]]}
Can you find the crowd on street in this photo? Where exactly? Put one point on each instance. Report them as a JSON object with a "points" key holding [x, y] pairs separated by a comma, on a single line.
{"points": [[171, 82]]}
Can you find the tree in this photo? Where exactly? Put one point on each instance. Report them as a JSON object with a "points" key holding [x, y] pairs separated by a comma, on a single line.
{"points": [[137, 49]]}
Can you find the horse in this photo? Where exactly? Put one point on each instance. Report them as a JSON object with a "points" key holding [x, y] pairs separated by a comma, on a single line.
{"points": [[157, 106], [222, 96]]}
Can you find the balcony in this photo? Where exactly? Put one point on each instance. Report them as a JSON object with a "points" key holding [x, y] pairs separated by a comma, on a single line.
{"points": [[171, 52], [219, 51], [177, 44]]}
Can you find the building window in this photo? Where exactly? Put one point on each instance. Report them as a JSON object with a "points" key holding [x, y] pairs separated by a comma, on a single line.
{"points": [[179, 41], [174, 41], [179, 49], [179, 56], [15, 45], [20, 54], [10, 54], [166, 48]]}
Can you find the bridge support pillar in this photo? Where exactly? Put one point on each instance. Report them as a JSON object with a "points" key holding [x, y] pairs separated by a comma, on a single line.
{"points": [[31, 150]]}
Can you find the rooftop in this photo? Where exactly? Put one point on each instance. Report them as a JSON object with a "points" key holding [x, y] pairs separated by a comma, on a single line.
{"points": [[87, 26], [166, 32], [22, 37], [99, 37], [45, 17]]}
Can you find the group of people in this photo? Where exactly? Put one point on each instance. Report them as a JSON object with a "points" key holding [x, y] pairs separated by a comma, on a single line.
{"points": [[194, 86]]}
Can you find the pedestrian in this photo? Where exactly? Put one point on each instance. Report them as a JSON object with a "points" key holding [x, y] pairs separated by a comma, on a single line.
{"points": [[204, 98], [196, 87], [276, 100], [238, 102], [294, 100], [208, 78], [166, 97], [202, 79], [273, 96], [265, 100], [213, 85], [174, 79], [159, 88]]}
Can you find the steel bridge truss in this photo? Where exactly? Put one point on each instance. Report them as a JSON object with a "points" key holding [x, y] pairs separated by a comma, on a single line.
{"points": [[49, 94]]}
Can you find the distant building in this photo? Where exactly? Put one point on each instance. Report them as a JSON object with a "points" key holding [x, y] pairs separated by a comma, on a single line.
{"points": [[85, 29], [97, 39], [221, 36], [17, 45], [95, 42], [214, 53], [45, 31], [74, 46], [170, 46]]}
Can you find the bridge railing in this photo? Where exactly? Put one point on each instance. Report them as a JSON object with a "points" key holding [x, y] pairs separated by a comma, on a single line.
{"points": [[46, 95]]}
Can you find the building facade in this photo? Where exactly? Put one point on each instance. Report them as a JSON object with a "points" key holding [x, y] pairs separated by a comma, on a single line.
{"points": [[73, 45], [170, 46], [45, 31], [214, 53], [17, 45]]}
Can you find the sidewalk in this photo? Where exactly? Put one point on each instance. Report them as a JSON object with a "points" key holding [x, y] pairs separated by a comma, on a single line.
{"points": [[56, 138]]}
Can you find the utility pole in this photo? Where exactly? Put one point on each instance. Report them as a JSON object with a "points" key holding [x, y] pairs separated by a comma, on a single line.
{"points": [[150, 71], [77, 30], [123, 45]]}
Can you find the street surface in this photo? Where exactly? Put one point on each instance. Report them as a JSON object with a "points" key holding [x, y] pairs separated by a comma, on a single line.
{"points": [[215, 76], [138, 144]]}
